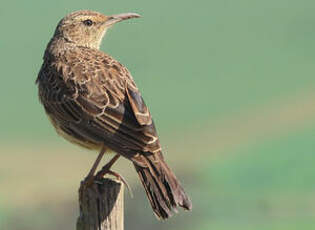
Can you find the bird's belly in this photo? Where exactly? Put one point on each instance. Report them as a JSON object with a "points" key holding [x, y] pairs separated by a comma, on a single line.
{"points": [[73, 137]]}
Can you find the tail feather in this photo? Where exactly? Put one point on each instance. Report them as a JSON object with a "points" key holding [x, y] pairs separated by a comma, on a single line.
{"points": [[162, 187]]}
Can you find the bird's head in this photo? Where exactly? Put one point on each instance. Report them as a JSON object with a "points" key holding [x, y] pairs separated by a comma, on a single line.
{"points": [[87, 28]]}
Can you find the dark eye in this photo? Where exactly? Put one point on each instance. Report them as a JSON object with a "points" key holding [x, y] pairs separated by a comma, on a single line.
{"points": [[88, 22]]}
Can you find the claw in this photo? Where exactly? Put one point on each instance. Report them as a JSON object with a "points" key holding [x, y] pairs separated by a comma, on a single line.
{"points": [[88, 181], [106, 170], [119, 177]]}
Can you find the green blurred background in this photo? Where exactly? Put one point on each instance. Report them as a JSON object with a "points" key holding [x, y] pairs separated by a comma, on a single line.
{"points": [[232, 90]]}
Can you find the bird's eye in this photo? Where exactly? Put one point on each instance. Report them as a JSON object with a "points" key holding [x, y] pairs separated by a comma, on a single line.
{"points": [[88, 22]]}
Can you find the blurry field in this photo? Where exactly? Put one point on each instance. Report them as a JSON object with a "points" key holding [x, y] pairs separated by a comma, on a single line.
{"points": [[232, 90]]}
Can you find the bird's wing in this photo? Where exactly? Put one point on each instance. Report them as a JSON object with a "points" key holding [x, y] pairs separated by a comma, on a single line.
{"points": [[138, 106], [102, 103]]}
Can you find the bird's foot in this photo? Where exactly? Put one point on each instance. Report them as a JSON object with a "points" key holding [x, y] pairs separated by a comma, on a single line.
{"points": [[88, 181], [120, 178], [105, 171]]}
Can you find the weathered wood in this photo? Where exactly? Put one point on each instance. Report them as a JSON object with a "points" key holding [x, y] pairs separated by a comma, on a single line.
{"points": [[101, 206]]}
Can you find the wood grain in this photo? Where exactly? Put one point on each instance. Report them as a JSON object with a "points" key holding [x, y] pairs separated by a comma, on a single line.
{"points": [[101, 206]]}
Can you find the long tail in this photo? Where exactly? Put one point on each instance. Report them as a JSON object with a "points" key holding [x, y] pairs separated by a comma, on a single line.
{"points": [[162, 187]]}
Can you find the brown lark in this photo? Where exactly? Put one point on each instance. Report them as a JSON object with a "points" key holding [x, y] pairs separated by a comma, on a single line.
{"points": [[92, 100]]}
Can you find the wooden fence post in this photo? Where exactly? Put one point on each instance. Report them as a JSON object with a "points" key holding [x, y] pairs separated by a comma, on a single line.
{"points": [[101, 206]]}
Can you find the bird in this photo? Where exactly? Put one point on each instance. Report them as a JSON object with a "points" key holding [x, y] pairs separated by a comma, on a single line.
{"points": [[92, 100]]}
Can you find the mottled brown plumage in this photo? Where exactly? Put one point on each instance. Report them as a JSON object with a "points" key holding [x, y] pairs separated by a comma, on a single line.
{"points": [[92, 100]]}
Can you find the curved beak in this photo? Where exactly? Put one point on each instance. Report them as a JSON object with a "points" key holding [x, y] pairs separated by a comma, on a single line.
{"points": [[111, 20]]}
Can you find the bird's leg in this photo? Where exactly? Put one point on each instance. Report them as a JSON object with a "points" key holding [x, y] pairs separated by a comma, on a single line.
{"points": [[106, 168], [90, 177]]}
